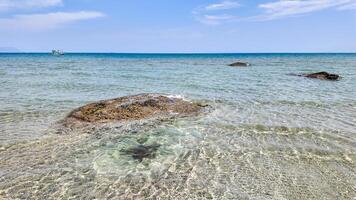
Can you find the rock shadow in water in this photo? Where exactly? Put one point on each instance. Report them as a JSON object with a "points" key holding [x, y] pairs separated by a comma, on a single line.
{"points": [[142, 151]]}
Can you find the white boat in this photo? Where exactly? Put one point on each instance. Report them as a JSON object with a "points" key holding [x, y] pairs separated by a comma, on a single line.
{"points": [[57, 52]]}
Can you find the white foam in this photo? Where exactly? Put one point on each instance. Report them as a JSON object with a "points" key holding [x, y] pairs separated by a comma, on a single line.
{"points": [[177, 96]]}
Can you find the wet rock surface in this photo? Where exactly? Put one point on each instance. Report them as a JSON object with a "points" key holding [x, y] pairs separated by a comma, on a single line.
{"points": [[239, 64], [323, 76], [128, 108]]}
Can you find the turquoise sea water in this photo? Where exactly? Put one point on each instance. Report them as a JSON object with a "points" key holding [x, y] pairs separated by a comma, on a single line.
{"points": [[268, 135]]}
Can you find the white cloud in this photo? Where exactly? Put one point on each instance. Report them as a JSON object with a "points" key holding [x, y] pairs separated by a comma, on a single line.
{"points": [[27, 4], [38, 22], [286, 8], [351, 6], [215, 19], [225, 5], [275, 9]]}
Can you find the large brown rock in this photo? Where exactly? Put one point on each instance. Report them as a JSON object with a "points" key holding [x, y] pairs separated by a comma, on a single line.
{"points": [[128, 108], [323, 76]]}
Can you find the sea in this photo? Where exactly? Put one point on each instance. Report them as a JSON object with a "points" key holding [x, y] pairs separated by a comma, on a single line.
{"points": [[266, 135]]}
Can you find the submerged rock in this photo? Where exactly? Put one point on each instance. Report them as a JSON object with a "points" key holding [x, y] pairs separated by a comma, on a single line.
{"points": [[142, 151], [128, 108], [239, 64], [323, 76]]}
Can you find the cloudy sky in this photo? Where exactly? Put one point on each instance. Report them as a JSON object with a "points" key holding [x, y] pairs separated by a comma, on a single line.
{"points": [[179, 26]]}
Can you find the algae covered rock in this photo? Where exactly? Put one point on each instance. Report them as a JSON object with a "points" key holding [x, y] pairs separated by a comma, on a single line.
{"points": [[128, 108]]}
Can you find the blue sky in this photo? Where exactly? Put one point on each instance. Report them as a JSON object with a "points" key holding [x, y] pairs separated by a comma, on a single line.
{"points": [[179, 26]]}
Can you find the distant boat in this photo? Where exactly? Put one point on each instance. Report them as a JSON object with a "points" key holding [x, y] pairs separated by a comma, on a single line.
{"points": [[57, 52]]}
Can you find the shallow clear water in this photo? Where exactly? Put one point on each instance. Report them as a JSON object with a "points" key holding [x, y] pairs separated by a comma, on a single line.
{"points": [[268, 135]]}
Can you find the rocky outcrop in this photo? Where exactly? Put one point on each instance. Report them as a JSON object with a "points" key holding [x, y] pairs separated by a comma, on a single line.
{"points": [[239, 64], [129, 108], [323, 76]]}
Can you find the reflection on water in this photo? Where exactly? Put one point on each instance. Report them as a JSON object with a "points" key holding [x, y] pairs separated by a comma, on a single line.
{"points": [[194, 160], [268, 136]]}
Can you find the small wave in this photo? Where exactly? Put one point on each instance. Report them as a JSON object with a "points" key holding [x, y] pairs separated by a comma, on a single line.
{"points": [[178, 96]]}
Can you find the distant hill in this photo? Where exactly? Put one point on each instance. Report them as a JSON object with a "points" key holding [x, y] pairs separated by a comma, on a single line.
{"points": [[9, 50]]}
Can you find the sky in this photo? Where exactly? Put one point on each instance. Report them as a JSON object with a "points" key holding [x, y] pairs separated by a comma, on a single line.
{"points": [[177, 26]]}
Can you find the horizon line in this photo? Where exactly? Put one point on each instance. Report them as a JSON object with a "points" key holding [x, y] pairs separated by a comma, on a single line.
{"points": [[92, 52]]}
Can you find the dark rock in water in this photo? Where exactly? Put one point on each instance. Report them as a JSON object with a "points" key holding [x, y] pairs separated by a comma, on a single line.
{"points": [[323, 76], [128, 108], [319, 75], [239, 64], [142, 151]]}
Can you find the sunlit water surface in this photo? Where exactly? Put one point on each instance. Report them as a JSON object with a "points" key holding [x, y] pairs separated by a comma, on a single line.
{"points": [[267, 135]]}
